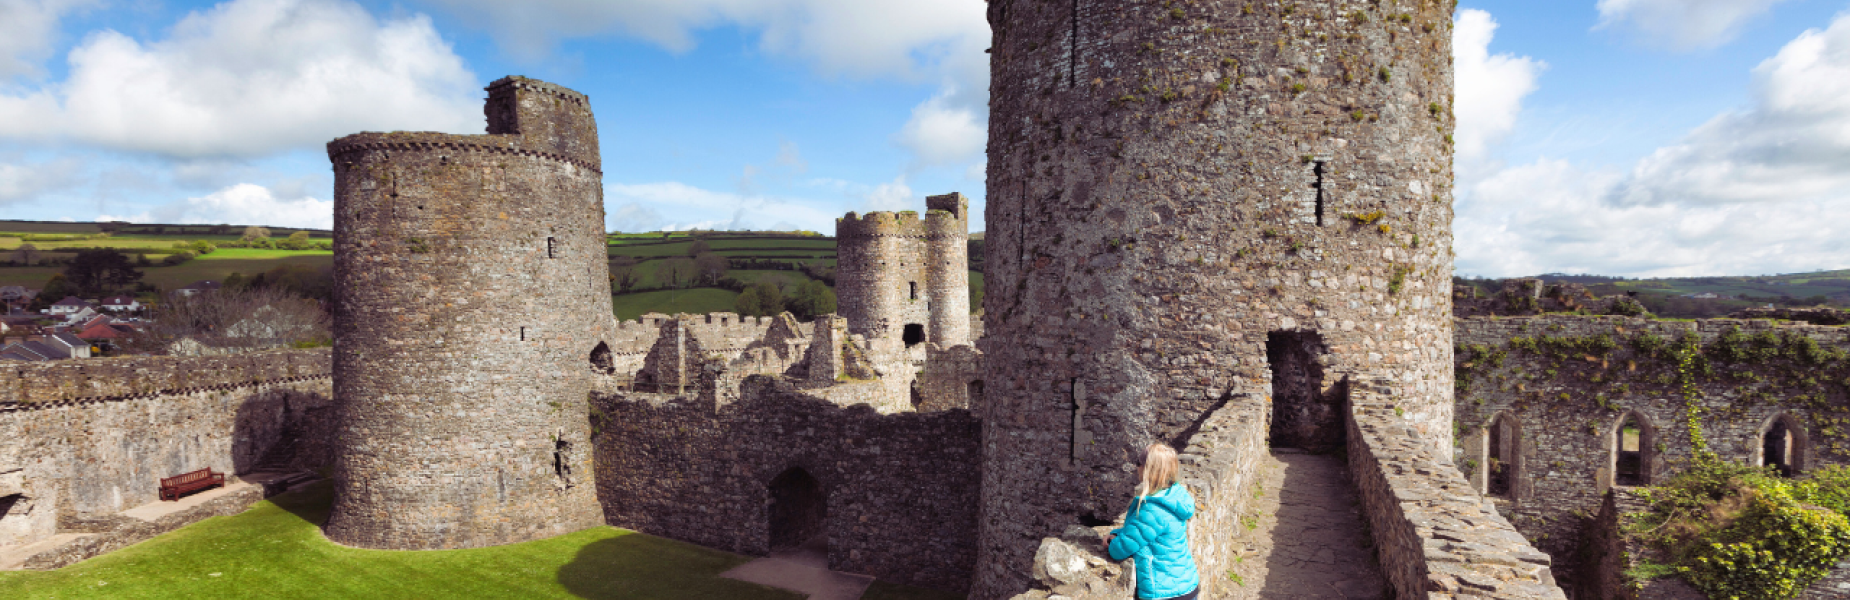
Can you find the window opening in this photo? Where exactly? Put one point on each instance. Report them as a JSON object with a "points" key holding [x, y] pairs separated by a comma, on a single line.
{"points": [[552, 248], [523, 334], [914, 285], [1782, 445], [1503, 458], [601, 362], [1303, 415], [914, 333], [1319, 189]]}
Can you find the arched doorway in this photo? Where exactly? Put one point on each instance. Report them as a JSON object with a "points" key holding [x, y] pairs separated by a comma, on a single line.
{"points": [[1503, 462], [1634, 450], [1782, 445], [799, 511]]}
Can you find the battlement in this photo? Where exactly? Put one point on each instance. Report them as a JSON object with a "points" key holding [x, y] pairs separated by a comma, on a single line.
{"points": [[517, 82], [428, 142], [880, 224], [548, 117], [958, 205]]}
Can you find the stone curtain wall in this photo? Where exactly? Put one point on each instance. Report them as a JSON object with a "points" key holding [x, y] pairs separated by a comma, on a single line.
{"points": [[1435, 535], [82, 440], [1565, 383], [1168, 185], [472, 290], [901, 489]]}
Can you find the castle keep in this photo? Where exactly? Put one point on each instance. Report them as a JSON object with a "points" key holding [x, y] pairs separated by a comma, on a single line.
{"points": [[1196, 207], [472, 298], [901, 281]]}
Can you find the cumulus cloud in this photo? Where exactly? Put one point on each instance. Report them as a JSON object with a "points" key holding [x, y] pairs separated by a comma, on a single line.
{"points": [[674, 206], [27, 30], [942, 133], [1489, 88], [241, 204], [249, 78], [1683, 24], [1762, 189]]}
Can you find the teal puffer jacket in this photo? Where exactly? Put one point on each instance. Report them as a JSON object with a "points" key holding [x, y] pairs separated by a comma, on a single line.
{"points": [[1155, 533]]}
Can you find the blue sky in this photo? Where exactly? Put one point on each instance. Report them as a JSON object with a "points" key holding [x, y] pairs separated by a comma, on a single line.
{"points": [[1630, 137]]}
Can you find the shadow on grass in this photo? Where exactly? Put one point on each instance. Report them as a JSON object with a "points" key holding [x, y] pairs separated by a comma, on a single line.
{"points": [[636, 565], [311, 503]]}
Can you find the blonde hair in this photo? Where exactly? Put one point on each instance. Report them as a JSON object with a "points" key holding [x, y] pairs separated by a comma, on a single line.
{"points": [[1159, 469]]}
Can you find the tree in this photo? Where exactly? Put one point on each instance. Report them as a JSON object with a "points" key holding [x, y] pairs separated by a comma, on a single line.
{"points": [[202, 247], [699, 247], [760, 300], [26, 254], [252, 317], [711, 267], [254, 233], [812, 299], [296, 241], [677, 273], [55, 289], [623, 274], [101, 270]]}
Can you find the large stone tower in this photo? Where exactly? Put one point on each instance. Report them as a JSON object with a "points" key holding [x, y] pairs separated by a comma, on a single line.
{"points": [[901, 281], [472, 292], [1199, 203]]}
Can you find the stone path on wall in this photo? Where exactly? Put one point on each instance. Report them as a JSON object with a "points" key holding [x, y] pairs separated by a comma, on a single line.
{"points": [[1312, 542]]}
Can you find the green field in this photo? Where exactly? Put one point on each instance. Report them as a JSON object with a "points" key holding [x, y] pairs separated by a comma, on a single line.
{"points": [[276, 550], [214, 266], [698, 301]]}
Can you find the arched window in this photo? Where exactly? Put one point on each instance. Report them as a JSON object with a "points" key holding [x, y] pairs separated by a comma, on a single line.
{"points": [[799, 511], [1503, 462], [1783, 445], [1633, 450]]}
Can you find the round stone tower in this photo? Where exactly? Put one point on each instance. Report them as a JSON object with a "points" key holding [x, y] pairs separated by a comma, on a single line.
{"points": [[1196, 205], [878, 283], [472, 291], [947, 271]]}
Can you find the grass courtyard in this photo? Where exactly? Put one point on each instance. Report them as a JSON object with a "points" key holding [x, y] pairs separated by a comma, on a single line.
{"points": [[275, 550]]}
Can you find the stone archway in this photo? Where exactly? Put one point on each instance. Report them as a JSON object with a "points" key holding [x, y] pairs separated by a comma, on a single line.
{"points": [[601, 361], [1503, 460], [799, 511], [1633, 450], [1303, 416]]}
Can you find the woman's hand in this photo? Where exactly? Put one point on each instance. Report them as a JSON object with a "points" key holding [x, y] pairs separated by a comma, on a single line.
{"points": [[1108, 541]]}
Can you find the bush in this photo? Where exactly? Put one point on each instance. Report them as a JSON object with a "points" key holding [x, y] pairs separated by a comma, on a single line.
{"points": [[1735, 531]]}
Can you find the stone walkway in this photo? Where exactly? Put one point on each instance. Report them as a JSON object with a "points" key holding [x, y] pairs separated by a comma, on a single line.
{"points": [[1310, 542], [804, 570]]}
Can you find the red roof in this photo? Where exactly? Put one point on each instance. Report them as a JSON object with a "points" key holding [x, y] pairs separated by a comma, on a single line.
{"points": [[102, 331]]}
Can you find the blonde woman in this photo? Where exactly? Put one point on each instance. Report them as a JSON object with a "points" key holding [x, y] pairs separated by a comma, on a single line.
{"points": [[1155, 530]]}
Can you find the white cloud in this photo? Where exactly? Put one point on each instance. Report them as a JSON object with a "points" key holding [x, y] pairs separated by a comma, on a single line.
{"points": [[674, 206], [892, 196], [1684, 24], [1489, 88], [1760, 190], [252, 77], [242, 204], [941, 133], [25, 182], [27, 30]]}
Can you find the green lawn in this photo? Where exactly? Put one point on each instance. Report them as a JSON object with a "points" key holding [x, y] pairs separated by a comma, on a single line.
{"points": [[698, 301], [276, 550]]}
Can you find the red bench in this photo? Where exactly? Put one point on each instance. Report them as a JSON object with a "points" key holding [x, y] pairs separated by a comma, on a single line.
{"points": [[174, 487]]}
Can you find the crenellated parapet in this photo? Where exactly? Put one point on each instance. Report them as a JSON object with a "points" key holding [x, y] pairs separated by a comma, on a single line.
{"points": [[880, 224]]}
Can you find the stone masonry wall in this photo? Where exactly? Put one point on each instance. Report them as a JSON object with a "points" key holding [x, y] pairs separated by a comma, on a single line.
{"points": [[1168, 185], [1436, 537], [1563, 384], [472, 293], [93, 439], [901, 489]]}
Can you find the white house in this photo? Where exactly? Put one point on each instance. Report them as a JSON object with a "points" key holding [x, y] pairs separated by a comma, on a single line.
{"points": [[121, 304], [68, 306]]}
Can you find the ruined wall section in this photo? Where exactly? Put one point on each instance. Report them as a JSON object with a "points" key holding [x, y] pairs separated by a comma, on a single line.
{"points": [[1168, 185], [1566, 383], [472, 291], [900, 489], [83, 440]]}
